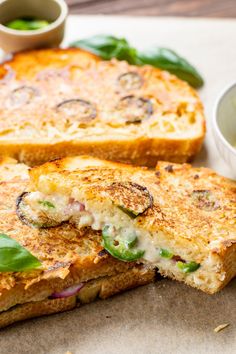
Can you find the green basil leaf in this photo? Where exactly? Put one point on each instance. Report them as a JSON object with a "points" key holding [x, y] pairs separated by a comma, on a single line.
{"points": [[167, 59], [14, 257], [108, 47]]}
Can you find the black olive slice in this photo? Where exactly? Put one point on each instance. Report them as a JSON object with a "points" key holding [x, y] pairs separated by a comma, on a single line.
{"points": [[130, 81], [135, 109], [205, 200], [130, 197], [82, 110], [22, 95], [24, 213]]}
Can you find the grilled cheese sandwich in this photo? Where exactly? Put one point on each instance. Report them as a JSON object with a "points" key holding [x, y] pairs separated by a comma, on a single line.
{"points": [[74, 267], [177, 218]]}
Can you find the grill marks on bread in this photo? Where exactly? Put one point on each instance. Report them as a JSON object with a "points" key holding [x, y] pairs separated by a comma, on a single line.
{"points": [[129, 196], [81, 86], [174, 206]]}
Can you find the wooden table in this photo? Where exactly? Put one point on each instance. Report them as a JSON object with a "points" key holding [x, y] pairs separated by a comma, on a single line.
{"points": [[200, 8]]}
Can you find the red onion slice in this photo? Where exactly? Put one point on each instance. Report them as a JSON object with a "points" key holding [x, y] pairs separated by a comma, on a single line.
{"points": [[74, 207], [72, 290]]}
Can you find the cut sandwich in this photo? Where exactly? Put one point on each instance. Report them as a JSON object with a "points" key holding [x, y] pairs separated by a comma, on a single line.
{"points": [[177, 218], [53, 270], [65, 102]]}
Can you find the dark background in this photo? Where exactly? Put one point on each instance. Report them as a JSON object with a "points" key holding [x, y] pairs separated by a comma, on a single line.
{"points": [[195, 8]]}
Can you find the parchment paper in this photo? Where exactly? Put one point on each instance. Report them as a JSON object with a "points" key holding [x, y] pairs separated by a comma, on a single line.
{"points": [[166, 317]]}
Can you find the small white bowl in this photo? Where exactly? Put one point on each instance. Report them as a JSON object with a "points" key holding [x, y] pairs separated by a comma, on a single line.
{"points": [[54, 11], [224, 125]]}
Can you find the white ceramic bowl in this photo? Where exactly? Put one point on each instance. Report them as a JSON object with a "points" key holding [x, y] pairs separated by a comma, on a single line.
{"points": [[224, 125], [54, 11]]}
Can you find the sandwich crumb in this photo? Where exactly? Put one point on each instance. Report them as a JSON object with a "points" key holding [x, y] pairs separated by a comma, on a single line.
{"points": [[221, 327]]}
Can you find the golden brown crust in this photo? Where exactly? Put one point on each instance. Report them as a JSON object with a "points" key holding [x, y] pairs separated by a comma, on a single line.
{"points": [[199, 194], [174, 131], [37, 60], [193, 208], [66, 268], [101, 288], [140, 152], [68, 257], [36, 309]]}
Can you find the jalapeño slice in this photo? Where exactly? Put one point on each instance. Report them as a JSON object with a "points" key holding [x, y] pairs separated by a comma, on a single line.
{"points": [[188, 267], [122, 248]]}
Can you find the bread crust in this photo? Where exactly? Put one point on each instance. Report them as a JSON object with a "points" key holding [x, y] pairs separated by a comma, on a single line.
{"points": [[101, 288], [108, 137], [36, 309], [193, 211], [68, 258], [140, 152]]}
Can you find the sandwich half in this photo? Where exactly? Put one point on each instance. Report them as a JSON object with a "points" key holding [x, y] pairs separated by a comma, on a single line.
{"points": [[177, 218], [65, 102], [45, 271]]}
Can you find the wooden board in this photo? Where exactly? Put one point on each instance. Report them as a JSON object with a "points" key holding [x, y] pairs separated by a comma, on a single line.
{"points": [[204, 8]]}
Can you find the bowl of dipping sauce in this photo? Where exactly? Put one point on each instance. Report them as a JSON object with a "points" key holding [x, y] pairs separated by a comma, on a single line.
{"points": [[224, 125], [27, 24]]}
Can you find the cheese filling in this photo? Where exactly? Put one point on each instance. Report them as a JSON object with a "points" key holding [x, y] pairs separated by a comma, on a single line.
{"points": [[61, 208]]}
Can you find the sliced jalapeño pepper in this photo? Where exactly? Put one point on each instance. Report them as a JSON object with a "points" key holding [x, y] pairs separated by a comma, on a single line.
{"points": [[122, 248], [188, 267], [165, 253]]}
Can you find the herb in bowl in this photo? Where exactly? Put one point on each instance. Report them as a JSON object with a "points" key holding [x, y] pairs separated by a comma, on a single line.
{"points": [[27, 24]]}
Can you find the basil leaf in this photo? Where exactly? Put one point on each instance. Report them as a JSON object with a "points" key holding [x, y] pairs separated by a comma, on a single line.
{"points": [[14, 257], [108, 47], [167, 59]]}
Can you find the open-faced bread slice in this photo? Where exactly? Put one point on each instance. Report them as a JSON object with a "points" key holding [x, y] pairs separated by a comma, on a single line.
{"points": [[64, 102]]}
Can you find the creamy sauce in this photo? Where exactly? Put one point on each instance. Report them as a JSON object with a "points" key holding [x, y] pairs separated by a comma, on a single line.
{"points": [[62, 208], [82, 214]]}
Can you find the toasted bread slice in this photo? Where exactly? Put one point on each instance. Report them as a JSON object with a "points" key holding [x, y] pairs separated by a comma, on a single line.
{"points": [[101, 288], [69, 258], [182, 219], [64, 102]]}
